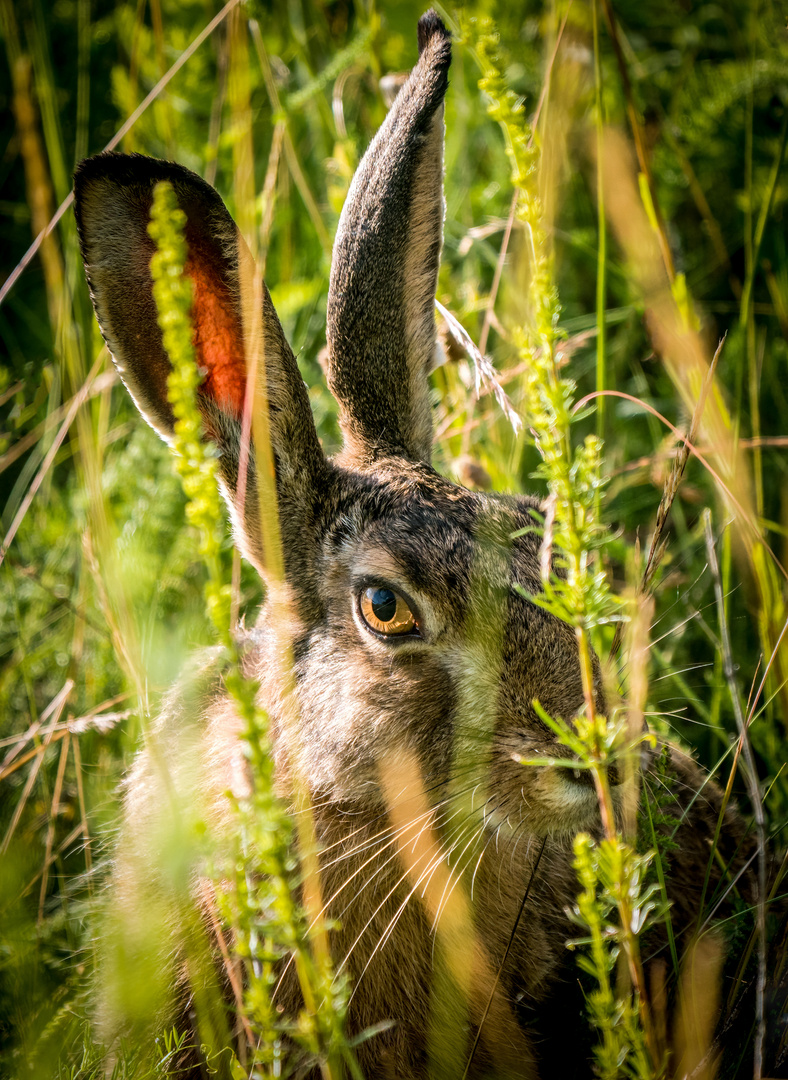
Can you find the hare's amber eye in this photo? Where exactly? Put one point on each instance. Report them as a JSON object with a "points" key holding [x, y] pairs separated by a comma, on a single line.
{"points": [[385, 612]]}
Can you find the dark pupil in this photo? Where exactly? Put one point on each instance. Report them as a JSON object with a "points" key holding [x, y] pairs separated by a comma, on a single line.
{"points": [[384, 604]]}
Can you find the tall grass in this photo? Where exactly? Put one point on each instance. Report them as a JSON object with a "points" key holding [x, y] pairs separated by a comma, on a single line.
{"points": [[650, 194]]}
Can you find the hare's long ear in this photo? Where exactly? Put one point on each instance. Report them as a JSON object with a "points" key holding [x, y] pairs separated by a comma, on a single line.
{"points": [[113, 197], [381, 303]]}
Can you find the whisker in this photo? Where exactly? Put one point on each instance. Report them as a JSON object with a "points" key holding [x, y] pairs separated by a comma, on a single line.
{"points": [[389, 929], [460, 870], [503, 960], [682, 671], [424, 877]]}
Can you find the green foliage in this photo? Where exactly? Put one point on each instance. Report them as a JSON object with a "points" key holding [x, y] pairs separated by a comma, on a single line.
{"points": [[604, 870], [576, 589], [195, 461], [261, 907], [581, 595]]}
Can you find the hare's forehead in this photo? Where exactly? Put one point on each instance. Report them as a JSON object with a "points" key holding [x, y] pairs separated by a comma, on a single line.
{"points": [[442, 541]]}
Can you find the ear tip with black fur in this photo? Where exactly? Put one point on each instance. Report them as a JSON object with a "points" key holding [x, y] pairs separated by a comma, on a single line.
{"points": [[114, 165], [125, 169], [430, 26]]}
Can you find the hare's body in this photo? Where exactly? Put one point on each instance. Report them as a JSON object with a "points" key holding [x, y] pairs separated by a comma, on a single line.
{"points": [[405, 519], [416, 655], [385, 933]]}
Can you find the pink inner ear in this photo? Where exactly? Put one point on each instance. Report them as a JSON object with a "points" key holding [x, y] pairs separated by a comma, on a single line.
{"points": [[218, 337]]}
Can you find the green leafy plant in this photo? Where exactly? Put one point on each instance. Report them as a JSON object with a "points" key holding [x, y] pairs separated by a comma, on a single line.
{"points": [[261, 907]]}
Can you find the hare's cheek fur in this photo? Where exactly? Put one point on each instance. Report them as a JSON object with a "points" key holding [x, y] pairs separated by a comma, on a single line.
{"points": [[459, 696], [357, 708]]}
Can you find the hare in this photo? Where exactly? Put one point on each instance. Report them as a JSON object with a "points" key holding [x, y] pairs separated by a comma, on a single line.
{"points": [[417, 659]]}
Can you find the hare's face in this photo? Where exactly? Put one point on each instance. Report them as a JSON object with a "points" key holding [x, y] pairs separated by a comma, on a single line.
{"points": [[423, 638], [415, 631]]}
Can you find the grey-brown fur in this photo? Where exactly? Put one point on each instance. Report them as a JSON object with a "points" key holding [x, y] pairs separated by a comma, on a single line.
{"points": [[381, 312], [458, 700]]}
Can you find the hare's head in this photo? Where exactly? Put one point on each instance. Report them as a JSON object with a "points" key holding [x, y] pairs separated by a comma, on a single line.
{"points": [[412, 626]]}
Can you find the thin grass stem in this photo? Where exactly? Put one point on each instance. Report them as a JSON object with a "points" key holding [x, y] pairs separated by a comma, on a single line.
{"points": [[755, 799]]}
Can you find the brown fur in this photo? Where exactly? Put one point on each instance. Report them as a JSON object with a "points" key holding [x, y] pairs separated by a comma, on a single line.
{"points": [[386, 727]]}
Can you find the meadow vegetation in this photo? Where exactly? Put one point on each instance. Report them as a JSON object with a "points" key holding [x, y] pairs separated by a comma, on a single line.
{"points": [[614, 243]]}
